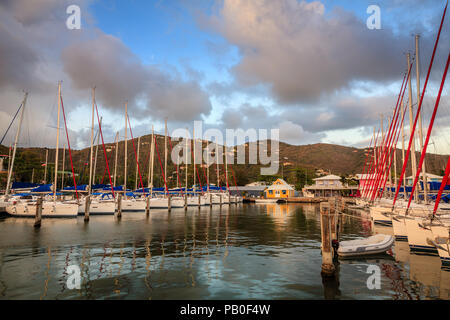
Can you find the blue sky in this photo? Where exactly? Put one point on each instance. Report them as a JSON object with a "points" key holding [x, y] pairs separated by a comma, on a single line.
{"points": [[310, 68]]}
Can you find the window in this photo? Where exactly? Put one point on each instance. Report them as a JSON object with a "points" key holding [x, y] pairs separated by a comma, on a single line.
{"points": [[284, 191], [270, 192]]}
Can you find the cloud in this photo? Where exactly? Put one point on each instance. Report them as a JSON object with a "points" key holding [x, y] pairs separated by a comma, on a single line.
{"points": [[303, 53], [119, 75]]}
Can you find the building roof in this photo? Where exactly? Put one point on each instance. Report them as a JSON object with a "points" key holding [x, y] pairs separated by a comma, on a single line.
{"points": [[280, 184], [429, 175], [329, 177]]}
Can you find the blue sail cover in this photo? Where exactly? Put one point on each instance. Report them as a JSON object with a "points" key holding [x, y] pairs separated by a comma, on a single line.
{"points": [[81, 187], [24, 185], [436, 185], [100, 186], [43, 188]]}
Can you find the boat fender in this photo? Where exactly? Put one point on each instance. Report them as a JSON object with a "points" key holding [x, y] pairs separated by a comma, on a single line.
{"points": [[335, 245]]}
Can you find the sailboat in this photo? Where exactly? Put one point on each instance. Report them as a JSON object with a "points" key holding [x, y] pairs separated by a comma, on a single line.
{"points": [[98, 205], [51, 208]]}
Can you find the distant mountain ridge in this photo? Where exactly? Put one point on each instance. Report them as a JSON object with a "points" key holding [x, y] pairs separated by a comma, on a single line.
{"points": [[337, 159]]}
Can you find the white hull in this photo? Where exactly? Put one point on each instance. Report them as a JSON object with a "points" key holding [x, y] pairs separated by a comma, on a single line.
{"points": [[441, 239], [398, 224], [419, 237], [98, 208], [49, 210]]}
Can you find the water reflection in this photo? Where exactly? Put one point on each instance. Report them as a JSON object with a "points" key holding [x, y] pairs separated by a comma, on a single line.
{"points": [[266, 251]]}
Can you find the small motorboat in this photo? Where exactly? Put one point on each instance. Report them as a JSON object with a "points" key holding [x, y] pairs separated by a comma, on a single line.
{"points": [[376, 244]]}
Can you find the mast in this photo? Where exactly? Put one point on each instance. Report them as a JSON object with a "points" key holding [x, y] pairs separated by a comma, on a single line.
{"points": [[46, 163], [165, 150], [193, 155], [217, 164], [57, 143], [226, 167], [186, 156], [116, 154], [63, 166], [383, 146], [32, 176], [403, 149], [11, 162], [150, 168], [96, 152], [389, 159], [207, 167], [411, 128], [136, 179], [92, 141], [126, 152], [424, 174]]}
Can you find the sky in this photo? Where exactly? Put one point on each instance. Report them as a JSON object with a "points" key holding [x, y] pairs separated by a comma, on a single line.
{"points": [[312, 69]]}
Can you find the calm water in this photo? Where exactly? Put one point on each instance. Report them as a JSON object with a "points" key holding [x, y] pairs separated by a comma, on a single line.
{"points": [[237, 252]]}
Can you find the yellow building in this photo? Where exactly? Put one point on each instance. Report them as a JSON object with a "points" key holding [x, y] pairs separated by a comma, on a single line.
{"points": [[279, 189]]}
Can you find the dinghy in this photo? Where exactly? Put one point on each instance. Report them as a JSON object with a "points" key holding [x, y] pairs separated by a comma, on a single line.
{"points": [[372, 245]]}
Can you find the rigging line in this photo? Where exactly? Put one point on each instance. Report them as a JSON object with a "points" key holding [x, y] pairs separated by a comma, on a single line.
{"points": [[70, 151], [160, 163], [411, 138], [430, 127], [17, 112], [136, 157], [104, 151]]}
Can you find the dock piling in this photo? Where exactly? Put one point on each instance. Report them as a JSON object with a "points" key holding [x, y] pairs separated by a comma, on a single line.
{"points": [[210, 200], [87, 207], [147, 206], [169, 204], [328, 268], [119, 205], [38, 217]]}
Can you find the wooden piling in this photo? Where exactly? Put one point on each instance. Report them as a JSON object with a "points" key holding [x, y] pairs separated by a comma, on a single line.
{"points": [[169, 204], [87, 207], [210, 200], [199, 201], [328, 268], [119, 205], [221, 200], [147, 206], [185, 202], [38, 217]]}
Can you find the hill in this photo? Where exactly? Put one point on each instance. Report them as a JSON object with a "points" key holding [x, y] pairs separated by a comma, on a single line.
{"points": [[298, 164]]}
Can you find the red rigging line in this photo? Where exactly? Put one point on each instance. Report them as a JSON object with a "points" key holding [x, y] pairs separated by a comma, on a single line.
{"points": [[226, 178], [441, 189], [135, 156], [176, 167], [372, 166], [384, 144], [160, 163], [365, 163], [70, 150], [235, 183], [382, 171], [394, 149], [430, 127], [104, 150], [411, 138]]}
